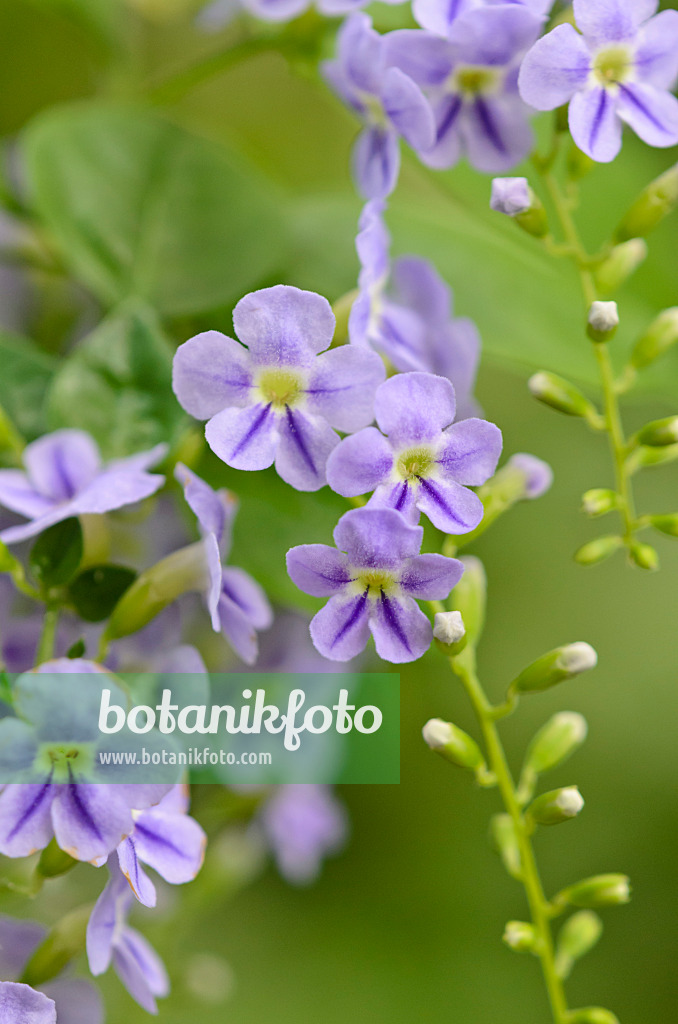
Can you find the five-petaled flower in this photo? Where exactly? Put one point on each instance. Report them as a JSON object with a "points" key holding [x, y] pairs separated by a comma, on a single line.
{"points": [[424, 462], [303, 824], [279, 399], [621, 68], [372, 582]]}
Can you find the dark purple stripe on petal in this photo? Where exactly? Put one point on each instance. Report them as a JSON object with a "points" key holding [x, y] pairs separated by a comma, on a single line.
{"points": [[632, 98], [252, 432], [391, 333], [158, 840], [298, 438], [488, 125], [450, 115], [81, 809], [598, 118], [402, 497], [32, 808], [135, 882], [353, 618], [439, 500], [391, 618]]}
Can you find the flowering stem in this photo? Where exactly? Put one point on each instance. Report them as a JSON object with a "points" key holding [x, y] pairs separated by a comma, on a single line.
{"points": [[47, 640], [464, 666]]}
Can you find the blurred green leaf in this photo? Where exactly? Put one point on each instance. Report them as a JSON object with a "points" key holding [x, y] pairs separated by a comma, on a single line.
{"points": [[57, 553], [141, 208], [103, 17], [97, 590], [117, 384], [24, 379]]}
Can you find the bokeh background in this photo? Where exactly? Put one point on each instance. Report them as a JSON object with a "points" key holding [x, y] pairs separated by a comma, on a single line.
{"points": [[406, 924]]}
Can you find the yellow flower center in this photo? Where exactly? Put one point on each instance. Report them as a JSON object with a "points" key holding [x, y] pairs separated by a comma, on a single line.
{"points": [[375, 581], [613, 64], [474, 80], [280, 387], [415, 462]]}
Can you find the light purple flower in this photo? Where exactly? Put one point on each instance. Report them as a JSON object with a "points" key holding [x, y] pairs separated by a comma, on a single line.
{"points": [[406, 313], [438, 16], [111, 940], [279, 399], [21, 1004], [238, 606], [538, 474], [166, 839], [64, 477], [76, 1001], [303, 824], [510, 196], [385, 98], [424, 463], [218, 14], [372, 581], [621, 68], [471, 79]]}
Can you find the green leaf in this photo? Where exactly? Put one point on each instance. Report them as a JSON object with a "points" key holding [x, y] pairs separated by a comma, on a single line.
{"points": [[141, 208], [57, 553], [24, 379], [96, 591], [116, 384]]}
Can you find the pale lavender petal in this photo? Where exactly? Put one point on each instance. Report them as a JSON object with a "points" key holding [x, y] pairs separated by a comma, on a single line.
{"points": [[377, 537], [238, 629], [244, 438], [554, 69], [305, 444], [16, 534], [497, 133], [493, 36], [342, 387], [214, 510], [595, 126], [178, 799], [425, 58], [359, 320], [17, 494], [284, 326], [376, 162], [400, 629], [610, 21], [452, 508], [408, 109], [18, 940], [185, 659], [438, 15], [338, 80], [400, 336], [211, 372], [171, 844], [318, 569], [140, 795], [340, 630], [652, 113], [448, 112], [538, 474], [142, 460], [471, 451], [139, 882], [657, 53], [431, 577], [140, 969], [455, 354], [335, 8], [360, 463], [25, 818], [20, 1004], [419, 286], [372, 243], [106, 918], [361, 52], [239, 586], [77, 1001], [401, 496], [113, 489], [62, 463], [414, 407], [214, 572], [303, 824], [276, 10], [89, 820]]}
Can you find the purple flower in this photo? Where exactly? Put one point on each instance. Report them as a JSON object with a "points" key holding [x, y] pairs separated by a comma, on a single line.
{"points": [[218, 14], [510, 196], [423, 463], [237, 604], [110, 939], [438, 16], [65, 477], [76, 1001], [287, 647], [385, 98], [471, 80], [372, 582], [21, 1004], [166, 839], [538, 474], [303, 823], [280, 398], [620, 69], [406, 313]]}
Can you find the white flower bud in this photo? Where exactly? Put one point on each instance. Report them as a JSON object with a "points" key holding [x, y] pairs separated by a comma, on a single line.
{"points": [[554, 667], [448, 627], [453, 744], [578, 657], [557, 806], [520, 936], [603, 320], [511, 196]]}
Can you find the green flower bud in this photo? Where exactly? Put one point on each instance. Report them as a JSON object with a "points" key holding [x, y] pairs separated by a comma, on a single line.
{"points": [[654, 203], [557, 806], [556, 741], [599, 501], [660, 433], [505, 842], [54, 861], [660, 336], [449, 632], [469, 597], [578, 935], [65, 941], [592, 1015], [644, 556], [597, 550], [453, 744], [520, 936], [561, 395], [619, 265], [666, 524], [597, 891], [603, 321], [644, 457], [554, 667]]}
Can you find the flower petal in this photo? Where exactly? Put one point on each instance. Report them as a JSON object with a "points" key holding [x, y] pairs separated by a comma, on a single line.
{"points": [[140, 969], [471, 451], [276, 10], [451, 507], [400, 336], [657, 53], [377, 537], [238, 629], [447, 146], [419, 286], [400, 629], [305, 444], [431, 577], [25, 818], [408, 109], [414, 407], [171, 844], [438, 15], [239, 586], [214, 510], [211, 372], [109, 910], [401, 496], [90, 821], [21, 1004], [554, 69], [595, 126], [376, 162], [611, 21], [342, 387], [77, 1001], [244, 438], [284, 326], [372, 243], [361, 52], [652, 113], [497, 133], [62, 463], [340, 630], [139, 882], [18, 942], [17, 494], [360, 463], [495, 35], [425, 58], [318, 569]]}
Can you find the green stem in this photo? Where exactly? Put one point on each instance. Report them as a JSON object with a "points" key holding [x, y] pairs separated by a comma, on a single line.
{"points": [[45, 651], [464, 667]]}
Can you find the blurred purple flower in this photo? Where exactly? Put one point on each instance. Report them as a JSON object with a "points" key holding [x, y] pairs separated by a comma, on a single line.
{"points": [[287, 647], [538, 474], [303, 824], [372, 582], [438, 16], [218, 14], [621, 68], [279, 399], [424, 464], [385, 98], [237, 604], [65, 477], [21, 1004]]}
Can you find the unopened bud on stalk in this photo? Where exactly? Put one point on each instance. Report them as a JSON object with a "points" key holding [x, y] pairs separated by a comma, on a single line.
{"points": [[505, 842], [619, 265], [644, 556], [453, 744], [603, 321], [556, 741], [592, 1015], [599, 501], [557, 806], [597, 891], [520, 936], [469, 597], [538, 474], [449, 631], [666, 524], [578, 935], [554, 667], [597, 550], [65, 941], [660, 336], [654, 203], [561, 395], [515, 198], [643, 457], [660, 433]]}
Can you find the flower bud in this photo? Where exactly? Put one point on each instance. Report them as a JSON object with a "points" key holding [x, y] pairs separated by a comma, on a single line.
{"points": [[561, 395], [515, 198], [643, 457], [505, 842], [619, 265], [578, 935], [592, 1015], [657, 339], [65, 941], [666, 524], [342, 311], [597, 891], [469, 597], [554, 667], [597, 550], [538, 474], [556, 806], [520, 936], [453, 744], [603, 321], [654, 203], [599, 501], [54, 861], [660, 433], [644, 556], [556, 741], [449, 631]]}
